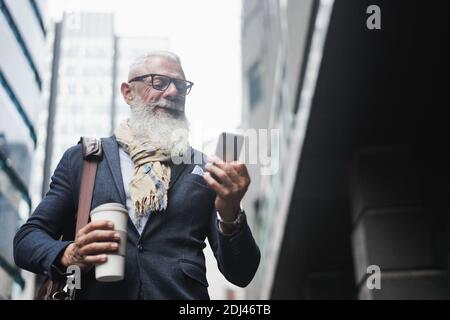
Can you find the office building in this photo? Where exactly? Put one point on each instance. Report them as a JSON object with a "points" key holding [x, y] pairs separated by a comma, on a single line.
{"points": [[357, 208], [22, 32]]}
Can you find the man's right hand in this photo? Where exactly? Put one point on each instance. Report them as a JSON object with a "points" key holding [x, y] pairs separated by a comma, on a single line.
{"points": [[91, 245]]}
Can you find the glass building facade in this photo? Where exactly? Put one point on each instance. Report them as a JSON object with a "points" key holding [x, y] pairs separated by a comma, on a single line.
{"points": [[361, 190], [22, 49], [275, 37]]}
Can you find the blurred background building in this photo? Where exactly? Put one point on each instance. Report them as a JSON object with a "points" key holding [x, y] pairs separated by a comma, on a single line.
{"points": [[363, 174], [22, 32], [84, 80], [81, 84]]}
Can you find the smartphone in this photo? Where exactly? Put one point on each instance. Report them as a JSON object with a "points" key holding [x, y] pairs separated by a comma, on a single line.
{"points": [[229, 146]]}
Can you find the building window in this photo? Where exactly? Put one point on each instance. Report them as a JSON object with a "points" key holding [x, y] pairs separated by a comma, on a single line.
{"points": [[254, 81], [12, 24], [11, 202], [38, 16], [15, 207], [13, 187], [5, 85]]}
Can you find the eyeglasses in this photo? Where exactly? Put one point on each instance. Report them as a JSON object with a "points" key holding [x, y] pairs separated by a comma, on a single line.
{"points": [[161, 83]]}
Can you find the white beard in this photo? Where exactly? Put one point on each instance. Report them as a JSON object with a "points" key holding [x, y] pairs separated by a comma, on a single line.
{"points": [[151, 125]]}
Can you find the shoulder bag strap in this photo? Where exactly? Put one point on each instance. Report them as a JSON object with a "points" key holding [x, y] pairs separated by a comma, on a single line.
{"points": [[92, 154]]}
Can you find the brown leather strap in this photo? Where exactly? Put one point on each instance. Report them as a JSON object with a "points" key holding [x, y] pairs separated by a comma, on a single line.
{"points": [[86, 191], [92, 153]]}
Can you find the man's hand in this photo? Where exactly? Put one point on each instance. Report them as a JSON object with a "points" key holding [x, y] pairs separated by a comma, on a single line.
{"points": [[91, 245], [230, 180]]}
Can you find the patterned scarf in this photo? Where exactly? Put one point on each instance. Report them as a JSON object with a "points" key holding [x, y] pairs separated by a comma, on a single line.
{"points": [[151, 176]]}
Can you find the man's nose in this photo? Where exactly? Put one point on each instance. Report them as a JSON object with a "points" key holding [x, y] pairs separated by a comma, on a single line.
{"points": [[171, 91]]}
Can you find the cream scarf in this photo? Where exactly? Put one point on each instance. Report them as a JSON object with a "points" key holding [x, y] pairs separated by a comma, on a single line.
{"points": [[151, 176]]}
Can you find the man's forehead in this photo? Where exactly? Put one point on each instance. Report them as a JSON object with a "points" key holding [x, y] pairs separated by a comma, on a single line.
{"points": [[164, 66]]}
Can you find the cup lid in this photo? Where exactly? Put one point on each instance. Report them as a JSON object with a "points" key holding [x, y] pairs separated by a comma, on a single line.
{"points": [[110, 206]]}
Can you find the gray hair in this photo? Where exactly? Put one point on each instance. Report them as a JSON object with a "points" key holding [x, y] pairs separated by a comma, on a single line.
{"points": [[140, 62]]}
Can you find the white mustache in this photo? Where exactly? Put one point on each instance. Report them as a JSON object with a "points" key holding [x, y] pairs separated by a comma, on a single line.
{"points": [[163, 103]]}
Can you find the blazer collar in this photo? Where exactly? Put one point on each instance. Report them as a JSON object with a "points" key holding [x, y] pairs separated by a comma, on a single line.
{"points": [[177, 170], [111, 151]]}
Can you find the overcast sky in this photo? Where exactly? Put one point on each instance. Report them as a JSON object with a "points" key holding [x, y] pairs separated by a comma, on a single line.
{"points": [[204, 33]]}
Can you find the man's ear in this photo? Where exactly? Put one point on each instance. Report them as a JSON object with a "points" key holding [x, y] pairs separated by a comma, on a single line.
{"points": [[127, 92]]}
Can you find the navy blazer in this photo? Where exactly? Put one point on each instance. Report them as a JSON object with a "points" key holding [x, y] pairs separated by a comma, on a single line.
{"points": [[166, 261]]}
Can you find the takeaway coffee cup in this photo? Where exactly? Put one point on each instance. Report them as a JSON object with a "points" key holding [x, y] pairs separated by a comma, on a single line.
{"points": [[114, 268]]}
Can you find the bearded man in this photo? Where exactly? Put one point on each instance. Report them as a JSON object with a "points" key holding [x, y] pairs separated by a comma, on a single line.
{"points": [[173, 207]]}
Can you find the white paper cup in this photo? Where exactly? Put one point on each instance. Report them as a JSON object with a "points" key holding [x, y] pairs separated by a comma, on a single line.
{"points": [[114, 268]]}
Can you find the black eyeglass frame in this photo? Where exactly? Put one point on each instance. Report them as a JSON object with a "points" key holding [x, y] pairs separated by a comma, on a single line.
{"points": [[172, 80]]}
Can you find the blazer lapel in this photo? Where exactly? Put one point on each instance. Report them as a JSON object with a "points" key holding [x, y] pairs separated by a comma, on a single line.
{"points": [[177, 170], [111, 151]]}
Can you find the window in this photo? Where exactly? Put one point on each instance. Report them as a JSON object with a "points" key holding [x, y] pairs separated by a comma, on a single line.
{"points": [[12, 24], [12, 201], [38, 15], [12, 96]]}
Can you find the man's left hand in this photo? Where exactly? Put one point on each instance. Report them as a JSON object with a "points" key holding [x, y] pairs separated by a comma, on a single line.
{"points": [[230, 181]]}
